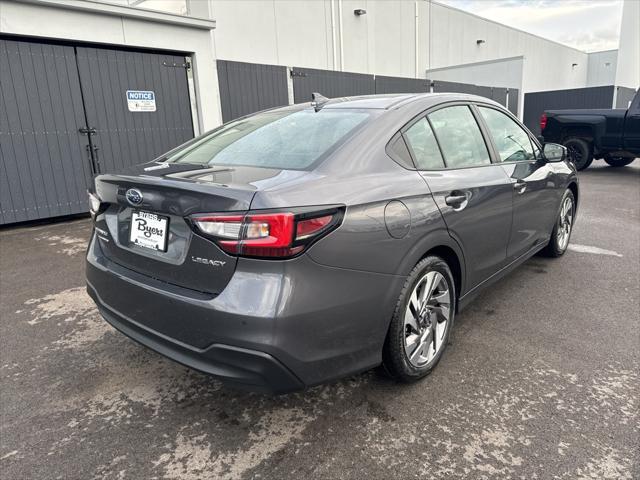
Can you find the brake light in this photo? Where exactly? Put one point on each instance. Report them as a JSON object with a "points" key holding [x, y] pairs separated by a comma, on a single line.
{"points": [[543, 122], [267, 235]]}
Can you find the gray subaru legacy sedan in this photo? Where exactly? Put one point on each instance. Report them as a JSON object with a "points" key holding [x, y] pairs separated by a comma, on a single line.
{"points": [[309, 242]]}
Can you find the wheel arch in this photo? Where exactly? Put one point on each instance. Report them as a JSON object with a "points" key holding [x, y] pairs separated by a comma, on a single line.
{"points": [[573, 186], [585, 133], [449, 255], [439, 243]]}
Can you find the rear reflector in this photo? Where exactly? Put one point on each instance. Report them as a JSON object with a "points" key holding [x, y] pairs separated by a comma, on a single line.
{"points": [[267, 235], [306, 228]]}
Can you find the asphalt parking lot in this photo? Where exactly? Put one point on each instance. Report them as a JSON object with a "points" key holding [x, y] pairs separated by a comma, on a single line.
{"points": [[540, 379]]}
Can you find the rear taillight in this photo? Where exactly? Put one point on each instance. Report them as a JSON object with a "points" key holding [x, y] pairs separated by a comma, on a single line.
{"points": [[267, 235], [543, 122]]}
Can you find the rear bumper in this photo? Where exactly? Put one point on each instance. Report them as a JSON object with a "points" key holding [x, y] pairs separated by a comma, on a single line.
{"points": [[244, 368], [277, 326]]}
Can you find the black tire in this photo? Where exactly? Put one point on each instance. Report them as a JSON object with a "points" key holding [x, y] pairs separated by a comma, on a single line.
{"points": [[556, 248], [618, 161], [580, 152], [394, 357]]}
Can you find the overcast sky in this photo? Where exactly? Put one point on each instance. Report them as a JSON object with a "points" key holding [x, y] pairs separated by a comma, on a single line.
{"points": [[590, 25]]}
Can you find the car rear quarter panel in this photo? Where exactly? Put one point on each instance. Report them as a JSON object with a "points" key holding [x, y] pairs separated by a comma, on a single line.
{"points": [[391, 219]]}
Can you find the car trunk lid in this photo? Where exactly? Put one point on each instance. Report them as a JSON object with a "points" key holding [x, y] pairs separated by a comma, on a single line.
{"points": [[169, 195]]}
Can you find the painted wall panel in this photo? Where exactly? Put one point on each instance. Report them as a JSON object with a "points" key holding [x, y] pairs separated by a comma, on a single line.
{"points": [[537, 102], [628, 65], [386, 84], [246, 88], [506, 73], [44, 166], [624, 96], [602, 68], [330, 84]]}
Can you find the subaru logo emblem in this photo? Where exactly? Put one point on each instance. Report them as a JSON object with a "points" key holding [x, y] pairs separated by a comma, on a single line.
{"points": [[134, 196]]}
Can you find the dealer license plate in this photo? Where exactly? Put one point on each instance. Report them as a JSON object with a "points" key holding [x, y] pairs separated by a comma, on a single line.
{"points": [[149, 230]]}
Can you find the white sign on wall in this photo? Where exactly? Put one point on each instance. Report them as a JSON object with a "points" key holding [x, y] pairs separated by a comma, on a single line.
{"points": [[141, 101]]}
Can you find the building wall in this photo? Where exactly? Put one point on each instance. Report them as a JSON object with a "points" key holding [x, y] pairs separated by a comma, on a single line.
{"points": [[602, 68], [628, 67], [305, 34], [397, 38], [506, 73], [547, 65]]}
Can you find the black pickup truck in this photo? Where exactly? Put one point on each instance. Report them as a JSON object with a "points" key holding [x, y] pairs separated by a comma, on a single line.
{"points": [[613, 135]]}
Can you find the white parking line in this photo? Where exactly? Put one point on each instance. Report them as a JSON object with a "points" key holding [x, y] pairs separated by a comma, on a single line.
{"points": [[587, 249]]}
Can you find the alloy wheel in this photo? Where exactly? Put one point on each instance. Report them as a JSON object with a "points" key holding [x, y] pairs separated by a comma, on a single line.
{"points": [[565, 223], [427, 314]]}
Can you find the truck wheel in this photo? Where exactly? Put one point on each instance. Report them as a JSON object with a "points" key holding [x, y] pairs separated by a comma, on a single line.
{"points": [[580, 152], [618, 161]]}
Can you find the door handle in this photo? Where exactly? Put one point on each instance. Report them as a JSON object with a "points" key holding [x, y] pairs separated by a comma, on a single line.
{"points": [[457, 200], [520, 187]]}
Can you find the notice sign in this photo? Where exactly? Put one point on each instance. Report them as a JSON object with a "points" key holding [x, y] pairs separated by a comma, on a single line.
{"points": [[141, 101]]}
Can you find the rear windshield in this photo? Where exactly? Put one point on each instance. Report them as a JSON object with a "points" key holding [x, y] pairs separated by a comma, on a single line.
{"points": [[279, 139]]}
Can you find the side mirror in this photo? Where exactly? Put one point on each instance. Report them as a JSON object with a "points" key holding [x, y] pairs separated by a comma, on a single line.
{"points": [[554, 153]]}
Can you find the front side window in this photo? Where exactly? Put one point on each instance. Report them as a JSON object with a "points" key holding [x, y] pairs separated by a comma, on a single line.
{"points": [[279, 139], [459, 137], [512, 142], [424, 145]]}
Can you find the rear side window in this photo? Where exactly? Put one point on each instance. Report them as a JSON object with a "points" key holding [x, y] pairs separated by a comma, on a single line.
{"points": [[280, 139], [424, 146], [512, 142], [459, 137]]}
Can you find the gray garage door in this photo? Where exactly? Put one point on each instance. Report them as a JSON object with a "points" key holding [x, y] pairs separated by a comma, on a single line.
{"points": [[43, 166], [124, 137], [65, 115]]}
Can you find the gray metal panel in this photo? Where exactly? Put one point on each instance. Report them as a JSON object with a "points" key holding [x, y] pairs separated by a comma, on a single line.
{"points": [[624, 97], [441, 86], [486, 92], [329, 83], [385, 84], [514, 97], [127, 138], [499, 95], [535, 103], [42, 162], [248, 87]]}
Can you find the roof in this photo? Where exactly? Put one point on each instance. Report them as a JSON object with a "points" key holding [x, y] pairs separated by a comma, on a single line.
{"points": [[380, 101], [388, 101]]}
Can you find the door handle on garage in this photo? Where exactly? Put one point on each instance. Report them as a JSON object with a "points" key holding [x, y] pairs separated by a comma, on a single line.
{"points": [[520, 187], [457, 200]]}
